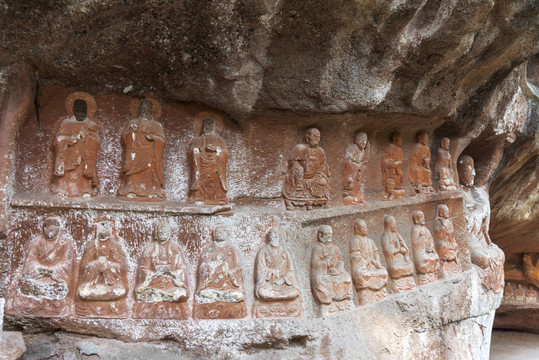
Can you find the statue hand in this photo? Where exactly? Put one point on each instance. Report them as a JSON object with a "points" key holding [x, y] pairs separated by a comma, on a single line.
{"points": [[134, 127], [149, 137], [211, 148]]}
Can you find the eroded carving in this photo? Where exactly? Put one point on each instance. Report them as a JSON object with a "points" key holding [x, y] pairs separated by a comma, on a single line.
{"points": [[486, 255], [103, 277], [531, 295], [307, 177], [426, 259], [392, 168], [75, 147], [369, 276], [446, 245], [531, 270], [220, 291], [509, 293], [44, 287], [399, 265], [520, 294], [162, 288], [209, 157], [275, 280], [142, 172], [331, 284], [419, 173], [445, 174], [355, 170]]}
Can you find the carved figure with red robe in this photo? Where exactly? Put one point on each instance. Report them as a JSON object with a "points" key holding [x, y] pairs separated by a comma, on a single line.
{"points": [[419, 173], [143, 171], [446, 244], [531, 295], [44, 287], [392, 168], [103, 269], [444, 167], [399, 265], [355, 170], [368, 274], [307, 177], [331, 284], [426, 259], [162, 270], [75, 147], [209, 156]]}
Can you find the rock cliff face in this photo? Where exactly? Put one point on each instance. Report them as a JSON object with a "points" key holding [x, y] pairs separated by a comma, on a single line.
{"points": [[468, 70]]}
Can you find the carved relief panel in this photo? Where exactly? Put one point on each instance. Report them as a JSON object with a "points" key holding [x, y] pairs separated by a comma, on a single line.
{"points": [[392, 158], [419, 173], [355, 170], [444, 167], [426, 259], [446, 244]]}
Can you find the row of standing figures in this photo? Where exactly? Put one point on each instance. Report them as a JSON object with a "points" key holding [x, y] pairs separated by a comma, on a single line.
{"points": [[46, 285], [77, 141]]}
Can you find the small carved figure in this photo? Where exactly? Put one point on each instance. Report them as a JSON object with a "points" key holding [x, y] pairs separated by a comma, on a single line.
{"points": [[331, 284], [276, 285], [399, 265], [509, 293], [209, 157], [425, 256], [486, 255], [142, 172], [75, 147], [354, 170], [520, 294], [307, 178], [220, 280], [531, 295], [446, 245], [103, 276], [444, 167], [368, 274], [44, 288], [392, 168], [419, 172]]}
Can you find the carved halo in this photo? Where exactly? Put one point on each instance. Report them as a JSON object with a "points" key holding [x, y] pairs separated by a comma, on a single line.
{"points": [[135, 104], [90, 101], [199, 118]]}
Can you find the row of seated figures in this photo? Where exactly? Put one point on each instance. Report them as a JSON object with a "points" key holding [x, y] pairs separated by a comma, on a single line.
{"points": [[44, 286], [307, 179], [518, 295]]}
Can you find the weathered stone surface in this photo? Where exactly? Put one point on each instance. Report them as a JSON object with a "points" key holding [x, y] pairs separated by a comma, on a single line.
{"points": [[12, 345]]}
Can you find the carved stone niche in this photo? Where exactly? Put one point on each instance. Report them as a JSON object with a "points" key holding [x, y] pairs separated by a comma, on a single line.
{"points": [[446, 244], [419, 173], [143, 139], [368, 274], [276, 286], [75, 146], [44, 287], [220, 292], [306, 181], [102, 285], [161, 289], [426, 259], [399, 265], [392, 158], [355, 170], [331, 284]]}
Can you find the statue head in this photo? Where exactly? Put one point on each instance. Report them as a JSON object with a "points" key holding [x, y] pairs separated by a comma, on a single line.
{"points": [[103, 231], [422, 137], [443, 211], [418, 217], [325, 234], [519, 286], [80, 109], [361, 140], [390, 224], [360, 227], [145, 108], [208, 126], [51, 227], [444, 143], [312, 137], [466, 170], [219, 234], [273, 237], [162, 231], [395, 137]]}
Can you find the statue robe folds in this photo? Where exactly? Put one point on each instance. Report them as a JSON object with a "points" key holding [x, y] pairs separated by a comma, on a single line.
{"points": [[103, 272], [209, 157], [162, 274], [367, 271], [425, 256], [392, 172], [144, 141], [75, 146], [275, 275], [329, 280], [220, 277], [444, 171], [354, 171], [399, 266], [419, 172], [447, 246]]}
